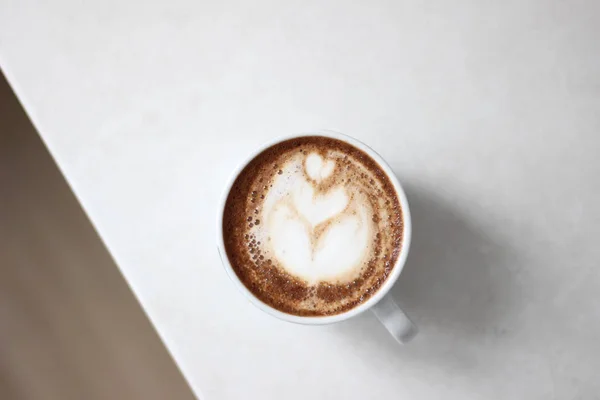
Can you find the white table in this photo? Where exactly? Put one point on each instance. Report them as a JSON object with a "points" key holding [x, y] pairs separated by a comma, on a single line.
{"points": [[488, 111]]}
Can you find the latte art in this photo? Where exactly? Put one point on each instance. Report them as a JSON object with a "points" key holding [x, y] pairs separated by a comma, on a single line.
{"points": [[306, 227], [312, 226]]}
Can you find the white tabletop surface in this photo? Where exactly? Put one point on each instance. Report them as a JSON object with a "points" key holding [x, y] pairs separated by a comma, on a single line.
{"points": [[489, 112]]}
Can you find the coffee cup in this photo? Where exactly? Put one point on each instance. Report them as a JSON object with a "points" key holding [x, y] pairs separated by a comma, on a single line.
{"points": [[380, 302]]}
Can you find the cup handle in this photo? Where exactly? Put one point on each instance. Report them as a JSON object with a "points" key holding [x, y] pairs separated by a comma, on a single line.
{"points": [[394, 319]]}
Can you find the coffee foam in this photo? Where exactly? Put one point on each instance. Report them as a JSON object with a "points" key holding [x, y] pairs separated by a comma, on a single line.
{"points": [[312, 226], [316, 235]]}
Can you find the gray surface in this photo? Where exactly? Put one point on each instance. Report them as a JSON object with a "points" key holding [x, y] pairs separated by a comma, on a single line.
{"points": [[488, 111]]}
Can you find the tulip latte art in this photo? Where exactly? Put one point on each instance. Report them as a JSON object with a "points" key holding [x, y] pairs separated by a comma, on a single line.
{"points": [[312, 226]]}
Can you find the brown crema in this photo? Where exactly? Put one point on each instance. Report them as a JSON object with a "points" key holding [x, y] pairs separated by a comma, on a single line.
{"points": [[264, 275]]}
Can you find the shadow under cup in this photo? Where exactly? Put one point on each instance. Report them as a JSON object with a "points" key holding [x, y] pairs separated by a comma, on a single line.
{"points": [[388, 309]]}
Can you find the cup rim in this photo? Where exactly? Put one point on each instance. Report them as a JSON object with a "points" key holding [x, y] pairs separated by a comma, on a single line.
{"points": [[389, 282]]}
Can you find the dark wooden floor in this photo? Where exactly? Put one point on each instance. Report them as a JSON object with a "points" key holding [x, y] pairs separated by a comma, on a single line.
{"points": [[70, 328]]}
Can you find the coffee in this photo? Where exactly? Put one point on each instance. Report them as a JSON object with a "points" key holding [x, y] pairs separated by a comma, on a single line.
{"points": [[312, 226]]}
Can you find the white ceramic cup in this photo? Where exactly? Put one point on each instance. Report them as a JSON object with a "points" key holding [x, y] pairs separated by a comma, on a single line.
{"points": [[381, 303]]}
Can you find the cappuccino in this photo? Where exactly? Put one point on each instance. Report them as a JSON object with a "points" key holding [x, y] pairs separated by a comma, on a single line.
{"points": [[312, 226]]}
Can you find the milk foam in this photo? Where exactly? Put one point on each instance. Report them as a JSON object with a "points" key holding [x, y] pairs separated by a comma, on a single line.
{"points": [[315, 234]]}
